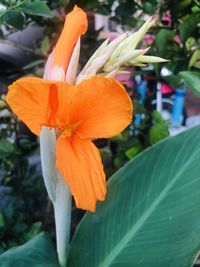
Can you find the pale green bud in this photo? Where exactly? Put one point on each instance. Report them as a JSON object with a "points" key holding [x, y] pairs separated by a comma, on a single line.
{"points": [[109, 58], [150, 59], [97, 53], [135, 63], [99, 58], [109, 66], [136, 37]]}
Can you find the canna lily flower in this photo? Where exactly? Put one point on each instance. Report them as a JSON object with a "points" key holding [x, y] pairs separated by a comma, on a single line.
{"points": [[98, 107]]}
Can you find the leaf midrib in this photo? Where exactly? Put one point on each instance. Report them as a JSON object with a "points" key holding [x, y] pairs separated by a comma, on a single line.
{"points": [[133, 230]]}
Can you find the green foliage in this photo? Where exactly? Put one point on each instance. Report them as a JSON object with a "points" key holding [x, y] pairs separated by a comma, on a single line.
{"points": [[23, 197], [16, 13], [194, 60], [6, 148], [164, 41], [151, 213], [133, 151], [192, 79], [159, 130], [38, 252], [189, 26], [36, 8], [14, 18]]}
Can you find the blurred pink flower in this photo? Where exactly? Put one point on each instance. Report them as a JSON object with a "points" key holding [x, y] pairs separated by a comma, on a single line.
{"points": [[167, 19], [177, 39], [126, 78], [148, 39]]}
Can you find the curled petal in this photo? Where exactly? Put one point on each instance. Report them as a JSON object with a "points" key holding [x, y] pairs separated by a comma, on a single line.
{"points": [[79, 162], [75, 25]]}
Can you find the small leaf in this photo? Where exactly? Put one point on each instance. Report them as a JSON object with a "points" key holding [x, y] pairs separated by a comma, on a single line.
{"points": [[157, 117], [195, 9], [2, 103], [133, 151], [183, 4], [195, 58], [189, 26], [164, 39], [6, 148], [172, 80], [14, 18], [159, 130], [190, 43], [38, 252], [33, 64], [45, 45], [192, 79], [36, 8], [2, 12], [149, 8]]}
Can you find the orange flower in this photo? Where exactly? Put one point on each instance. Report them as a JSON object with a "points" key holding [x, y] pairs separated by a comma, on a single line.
{"points": [[95, 108]]}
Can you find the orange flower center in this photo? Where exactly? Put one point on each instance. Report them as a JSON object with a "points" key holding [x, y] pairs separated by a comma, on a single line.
{"points": [[66, 130]]}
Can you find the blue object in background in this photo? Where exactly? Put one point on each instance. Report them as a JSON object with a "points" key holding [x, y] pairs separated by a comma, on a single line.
{"points": [[142, 90], [177, 112]]}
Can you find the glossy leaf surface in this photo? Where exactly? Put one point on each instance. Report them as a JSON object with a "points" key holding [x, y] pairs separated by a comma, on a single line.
{"points": [[38, 252], [192, 80], [151, 215]]}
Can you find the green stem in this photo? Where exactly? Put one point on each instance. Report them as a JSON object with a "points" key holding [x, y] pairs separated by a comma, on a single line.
{"points": [[58, 192], [62, 210]]}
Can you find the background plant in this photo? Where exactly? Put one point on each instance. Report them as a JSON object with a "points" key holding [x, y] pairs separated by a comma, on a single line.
{"points": [[176, 33]]}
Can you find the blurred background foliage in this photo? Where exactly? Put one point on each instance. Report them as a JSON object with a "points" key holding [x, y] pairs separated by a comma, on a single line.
{"points": [[25, 209]]}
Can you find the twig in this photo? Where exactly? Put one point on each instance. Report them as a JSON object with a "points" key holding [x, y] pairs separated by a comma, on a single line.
{"points": [[27, 49]]}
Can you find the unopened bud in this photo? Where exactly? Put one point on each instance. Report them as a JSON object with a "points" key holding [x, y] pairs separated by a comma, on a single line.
{"points": [[150, 59]]}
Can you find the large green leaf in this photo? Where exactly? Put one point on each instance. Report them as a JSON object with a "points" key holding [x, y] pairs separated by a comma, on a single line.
{"points": [[151, 216], [192, 79], [38, 252]]}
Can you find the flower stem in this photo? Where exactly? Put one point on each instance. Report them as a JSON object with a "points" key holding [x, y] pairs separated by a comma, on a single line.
{"points": [[62, 210]]}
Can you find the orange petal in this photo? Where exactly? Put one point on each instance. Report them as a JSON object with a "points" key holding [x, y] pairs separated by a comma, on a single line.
{"points": [[37, 102], [79, 162], [75, 25], [103, 108]]}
